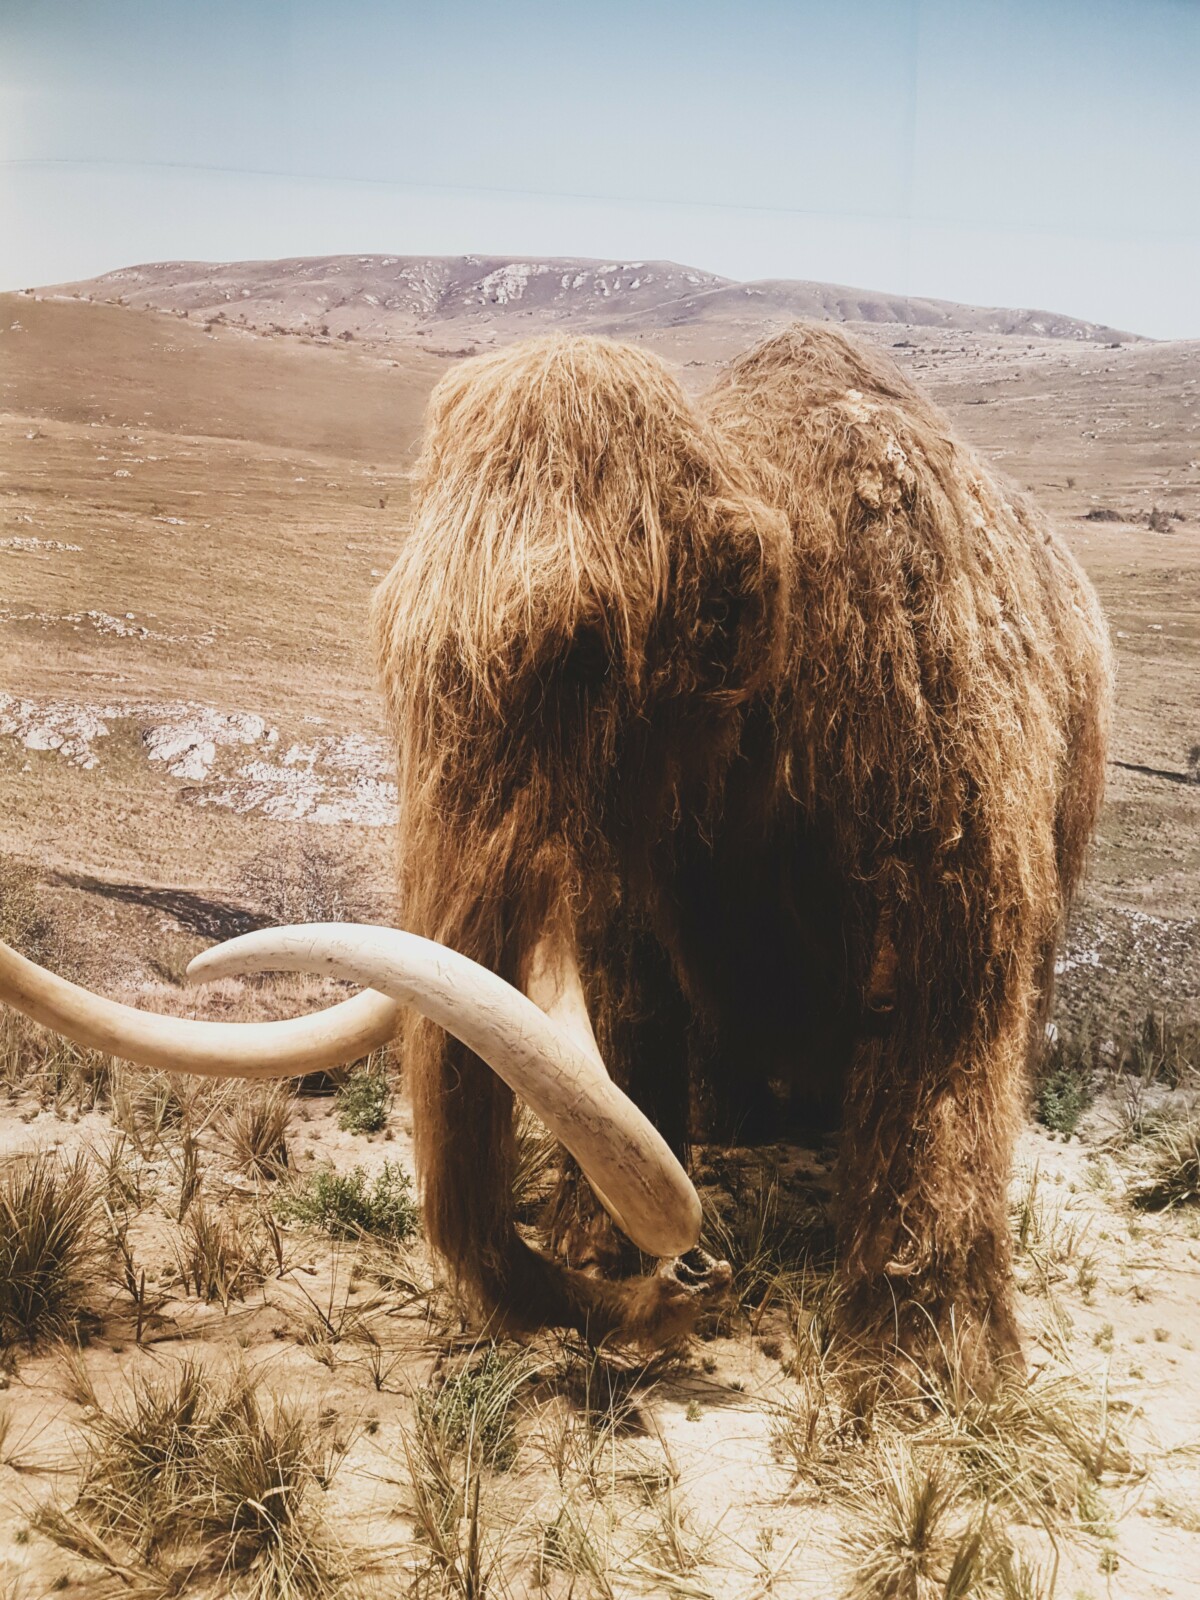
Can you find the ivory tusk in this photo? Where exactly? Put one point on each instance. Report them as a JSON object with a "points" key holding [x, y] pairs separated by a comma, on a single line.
{"points": [[326, 1038], [618, 1148]]}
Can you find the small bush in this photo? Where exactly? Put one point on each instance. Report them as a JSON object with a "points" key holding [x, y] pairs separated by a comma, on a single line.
{"points": [[366, 1098], [48, 1217], [303, 881], [1063, 1087], [343, 1205], [23, 920]]}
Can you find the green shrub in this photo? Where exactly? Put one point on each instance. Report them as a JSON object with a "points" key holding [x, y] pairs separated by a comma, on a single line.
{"points": [[366, 1098], [473, 1410], [1063, 1087], [343, 1205]]}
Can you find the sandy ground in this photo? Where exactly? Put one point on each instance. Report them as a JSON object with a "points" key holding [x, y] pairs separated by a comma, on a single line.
{"points": [[1108, 1295]]}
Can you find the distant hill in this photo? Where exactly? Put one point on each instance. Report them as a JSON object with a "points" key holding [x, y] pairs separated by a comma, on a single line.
{"points": [[443, 300]]}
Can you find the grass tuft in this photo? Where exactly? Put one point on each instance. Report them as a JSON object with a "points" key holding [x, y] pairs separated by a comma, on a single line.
{"points": [[535, 1168], [1030, 1446], [218, 1256], [465, 1429], [196, 1474], [255, 1124], [49, 1212], [905, 1532], [473, 1411], [1172, 1165]]}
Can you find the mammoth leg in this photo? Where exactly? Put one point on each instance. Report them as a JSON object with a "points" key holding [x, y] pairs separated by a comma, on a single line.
{"points": [[925, 1259]]}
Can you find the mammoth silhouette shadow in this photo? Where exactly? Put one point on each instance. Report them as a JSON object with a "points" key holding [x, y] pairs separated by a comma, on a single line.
{"points": [[202, 915]]}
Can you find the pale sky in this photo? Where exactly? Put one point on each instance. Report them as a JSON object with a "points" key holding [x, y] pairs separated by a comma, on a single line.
{"points": [[1002, 152]]}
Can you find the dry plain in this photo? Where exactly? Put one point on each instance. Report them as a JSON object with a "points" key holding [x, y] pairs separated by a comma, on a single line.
{"points": [[194, 513]]}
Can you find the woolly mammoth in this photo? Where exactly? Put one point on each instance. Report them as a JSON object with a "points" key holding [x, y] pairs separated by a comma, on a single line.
{"points": [[748, 751]]}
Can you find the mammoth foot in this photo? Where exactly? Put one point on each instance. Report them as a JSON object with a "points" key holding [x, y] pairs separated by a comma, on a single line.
{"points": [[917, 1348]]}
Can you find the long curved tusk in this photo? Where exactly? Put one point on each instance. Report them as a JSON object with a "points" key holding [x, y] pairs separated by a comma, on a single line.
{"points": [[327, 1038], [619, 1150], [554, 984]]}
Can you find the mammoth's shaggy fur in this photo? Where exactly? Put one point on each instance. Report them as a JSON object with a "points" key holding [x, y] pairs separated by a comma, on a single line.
{"points": [[797, 720]]}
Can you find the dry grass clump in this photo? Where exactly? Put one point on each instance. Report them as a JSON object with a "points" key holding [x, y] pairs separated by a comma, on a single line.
{"points": [[464, 1431], [1164, 1049], [449, 1519], [535, 1166], [1038, 1447], [1172, 1164], [196, 1475], [944, 1486], [32, 1059], [221, 1256], [1161, 1052], [49, 1214], [61, 1074], [160, 1109], [597, 1403], [254, 1125], [816, 1431], [569, 1545], [911, 1535], [23, 921]]}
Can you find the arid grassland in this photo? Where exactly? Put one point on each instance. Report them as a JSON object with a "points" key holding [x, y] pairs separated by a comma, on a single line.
{"points": [[228, 1363]]}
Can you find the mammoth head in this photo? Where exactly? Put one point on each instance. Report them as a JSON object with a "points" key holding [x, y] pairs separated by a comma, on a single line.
{"points": [[583, 555], [588, 596]]}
